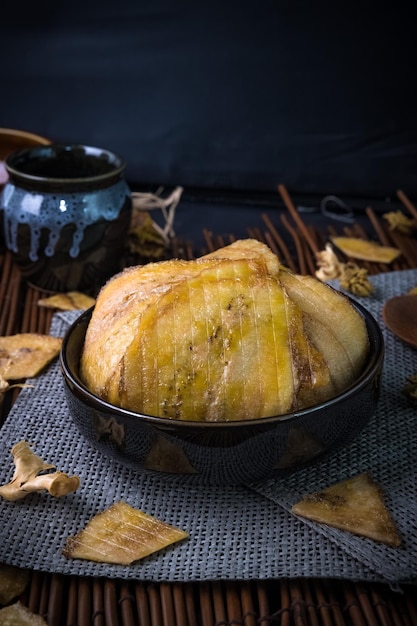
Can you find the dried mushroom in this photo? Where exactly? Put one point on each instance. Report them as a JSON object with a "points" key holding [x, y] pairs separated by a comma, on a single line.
{"points": [[32, 474], [329, 265]]}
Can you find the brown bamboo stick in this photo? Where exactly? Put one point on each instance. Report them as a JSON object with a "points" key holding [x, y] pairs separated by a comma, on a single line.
{"points": [[310, 604], [110, 603], [366, 604], [142, 605], [382, 234], [302, 266], [84, 611], [410, 605], [249, 617], [180, 607], [297, 219], [263, 604], [219, 604], [285, 607], [273, 232], [407, 203], [408, 247], [206, 607], [298, 605], [352, 605], [98, 603], [155, 605], [380, 605], [234, 608], [334, 603], [190, 604], [323, 606], [55, 600], [126, 602], [167, 604], [36, 581], [208, 238], [72, 602]]}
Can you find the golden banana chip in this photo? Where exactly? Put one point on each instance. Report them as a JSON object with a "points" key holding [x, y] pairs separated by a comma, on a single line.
{"points": [[13, 582], [355, 505], [19, 615], [364, 250], [71, 301], [121, 535], [25, 355]]}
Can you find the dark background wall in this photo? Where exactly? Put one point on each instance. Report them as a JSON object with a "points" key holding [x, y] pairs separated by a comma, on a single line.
{"points": [[234, 95]]}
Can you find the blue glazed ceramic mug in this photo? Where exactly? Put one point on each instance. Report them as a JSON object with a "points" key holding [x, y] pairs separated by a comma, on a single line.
{"points": [[66, 213]]}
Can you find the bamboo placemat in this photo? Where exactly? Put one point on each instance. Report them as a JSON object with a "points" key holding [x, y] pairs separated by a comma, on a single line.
{"points": [[78, 601]]}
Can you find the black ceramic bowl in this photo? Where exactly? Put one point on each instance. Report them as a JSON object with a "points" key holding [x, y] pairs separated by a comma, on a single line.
{"points": [[223, 452]]}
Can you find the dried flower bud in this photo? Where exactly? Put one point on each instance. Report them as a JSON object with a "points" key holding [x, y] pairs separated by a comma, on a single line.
{"points": [[355, 279], [400, 222]]}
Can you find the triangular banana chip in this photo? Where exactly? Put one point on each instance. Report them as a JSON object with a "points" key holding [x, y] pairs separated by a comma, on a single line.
{"points": [[25, 355], [364, 250], [355, 505], [19, 615], [71, 301], [121, 535], [13, 582]]}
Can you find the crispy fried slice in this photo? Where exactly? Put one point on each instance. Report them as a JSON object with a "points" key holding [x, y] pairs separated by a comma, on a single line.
{"points": [[19, 615], [13, 582], [121, 535], [119, 307], [364, 250], [25, 355], [232, 357], [71, 301], [355, 505], [248, 249]]}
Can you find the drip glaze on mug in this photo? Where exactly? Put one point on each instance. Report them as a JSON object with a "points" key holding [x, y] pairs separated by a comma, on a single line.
{"points": [[66, 212]]}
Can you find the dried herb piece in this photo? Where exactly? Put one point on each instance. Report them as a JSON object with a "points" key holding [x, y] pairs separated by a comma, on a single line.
{"points": [[32, 474], [355, 279], [329, 265], [400, 222]]}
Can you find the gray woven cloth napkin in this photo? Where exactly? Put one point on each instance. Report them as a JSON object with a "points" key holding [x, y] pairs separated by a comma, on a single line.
{"points": [[236, 532]]}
